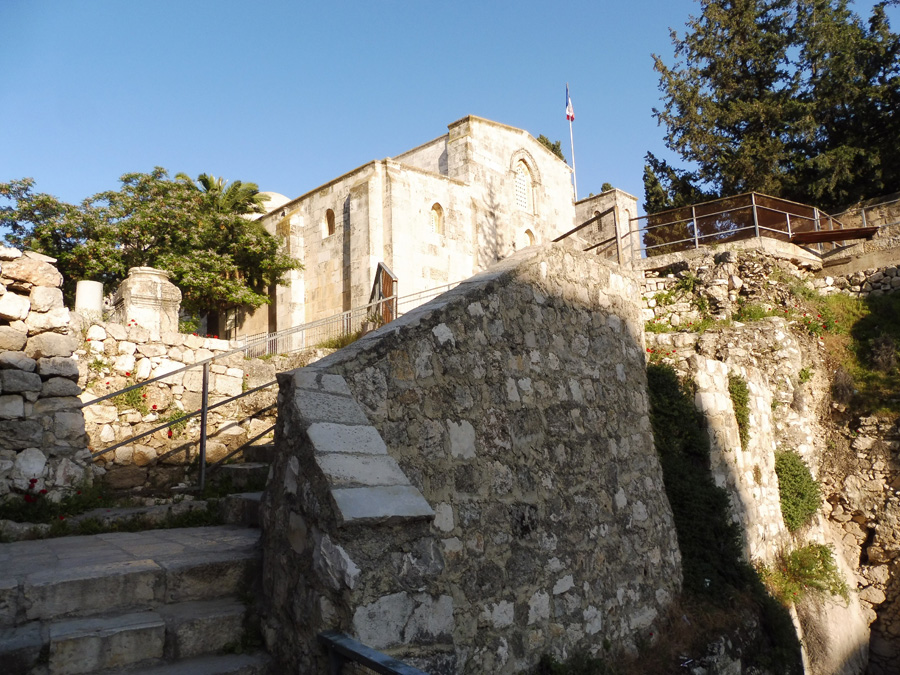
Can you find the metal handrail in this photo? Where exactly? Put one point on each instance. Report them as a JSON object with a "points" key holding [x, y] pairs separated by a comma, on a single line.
{"points": [[343, 649]]}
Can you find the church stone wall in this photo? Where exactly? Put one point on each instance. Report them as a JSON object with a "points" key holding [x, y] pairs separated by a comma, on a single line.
{"points": [[516, 406]]}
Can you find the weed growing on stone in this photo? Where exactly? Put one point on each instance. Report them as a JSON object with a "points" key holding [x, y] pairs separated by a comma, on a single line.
{"points": [[34, 506], [805, 375], [134, 399], [752, 311], [810, 568], [740, 401], [177, 417], [340, 341], [657, 326], [800, 493]]}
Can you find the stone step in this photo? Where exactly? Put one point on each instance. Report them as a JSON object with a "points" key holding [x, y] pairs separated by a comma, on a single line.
{"points": [[91, 575], [264, 453], [225, 664], [247, 475], [117, 641], [105, 642], [242, 508]]}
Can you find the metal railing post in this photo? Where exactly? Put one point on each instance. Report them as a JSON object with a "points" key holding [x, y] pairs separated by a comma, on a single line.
{"points": [[694, 219], [755, 217], [863, 212], [788, 217], [204, 405]]}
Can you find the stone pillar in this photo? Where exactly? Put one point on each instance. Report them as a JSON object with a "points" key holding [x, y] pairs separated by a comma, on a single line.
{"points": [[148, 298]]}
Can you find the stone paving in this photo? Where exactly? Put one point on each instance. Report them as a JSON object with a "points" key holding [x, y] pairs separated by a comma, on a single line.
{"points": [[49, 557]]}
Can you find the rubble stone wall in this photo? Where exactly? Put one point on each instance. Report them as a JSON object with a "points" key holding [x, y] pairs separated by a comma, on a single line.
{"points": [[516, 405], [43, 445]]}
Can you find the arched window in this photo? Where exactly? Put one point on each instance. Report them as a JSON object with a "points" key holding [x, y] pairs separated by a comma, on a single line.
{"points": [[530, 236], [329, 222], [437, 219], [523, 187]]}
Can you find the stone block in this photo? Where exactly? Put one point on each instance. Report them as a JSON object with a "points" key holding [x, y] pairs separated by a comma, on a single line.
{"points": [[14, 307], [227, 386], [11, 407], [364, 440], [204, 627], [101, 413], [9, 600], [116, 331], [105, 643], [56, 320], [68, 426], [9, 253], [124, 363], [89, 589], [45, 298], [324, 407], [17, 361], [169, 367], [31, 271], [345, 470], [59, 386], [12, 339], [96, 333], [316, 380], [379, 504], [20, 648], [203, 576], [21, 434], [57, 366], [57, 404], [125, 477], [13, 381], [380, 624]]}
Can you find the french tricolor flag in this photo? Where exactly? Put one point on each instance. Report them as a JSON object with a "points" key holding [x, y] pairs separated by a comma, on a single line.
{"points": [[570, 111]]}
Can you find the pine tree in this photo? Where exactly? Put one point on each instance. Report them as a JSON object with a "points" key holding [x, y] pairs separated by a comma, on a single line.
{"points": [[793, 98]]}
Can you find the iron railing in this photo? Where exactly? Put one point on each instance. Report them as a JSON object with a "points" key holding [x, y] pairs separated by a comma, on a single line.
{"points": [[322, 333], [730, 219]]}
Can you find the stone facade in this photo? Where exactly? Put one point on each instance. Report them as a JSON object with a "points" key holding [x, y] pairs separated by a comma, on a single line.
{"points": [[434, 215], [475, 483], [43, 445]]}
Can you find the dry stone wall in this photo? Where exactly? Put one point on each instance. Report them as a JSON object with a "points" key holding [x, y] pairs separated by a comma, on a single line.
{"points": [[43, 446], [514, 501]]}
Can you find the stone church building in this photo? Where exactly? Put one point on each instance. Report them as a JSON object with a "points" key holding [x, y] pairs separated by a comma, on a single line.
{"points": [[433, 215]]}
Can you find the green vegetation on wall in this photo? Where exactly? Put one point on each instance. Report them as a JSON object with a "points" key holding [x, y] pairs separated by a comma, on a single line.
{"points": [[799, 491], [740, 401], [710, 542], [810, 568]]}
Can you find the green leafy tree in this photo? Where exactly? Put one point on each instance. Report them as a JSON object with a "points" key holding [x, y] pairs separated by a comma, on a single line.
{"points": [[793, 98], [219, 259], [553, 146]]}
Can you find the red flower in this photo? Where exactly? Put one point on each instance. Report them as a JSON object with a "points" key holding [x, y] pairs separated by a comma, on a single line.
{"points": [[649, 350], [87, 339], [144, 395], [44, 491], [127, 374], [216, 337], [107, 382], [170, 433], [33, 481], [78, 492], [29, 498], [62, 517], [154, 406]]}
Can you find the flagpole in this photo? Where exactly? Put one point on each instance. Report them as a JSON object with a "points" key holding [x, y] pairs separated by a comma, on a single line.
{"points": [[570, 115], [574, 179]]}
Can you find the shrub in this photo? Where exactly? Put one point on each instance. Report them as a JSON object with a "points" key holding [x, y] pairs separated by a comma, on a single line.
{"points": [[883, 353], [740, 401], [800, 493], [809, 568], [751, 312], [842, 386]]}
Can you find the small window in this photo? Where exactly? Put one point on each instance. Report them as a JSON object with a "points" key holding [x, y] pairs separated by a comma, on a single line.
{"points": [[329, 222], [530, 236], [437, 219], [523, 187]]}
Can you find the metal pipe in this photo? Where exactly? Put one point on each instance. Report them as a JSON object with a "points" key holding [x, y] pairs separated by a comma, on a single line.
{"points": [[694, 221], [755, 219], [204, 407]]}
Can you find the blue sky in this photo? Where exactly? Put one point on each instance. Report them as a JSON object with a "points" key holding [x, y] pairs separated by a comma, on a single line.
{"points": [[291, 94]]}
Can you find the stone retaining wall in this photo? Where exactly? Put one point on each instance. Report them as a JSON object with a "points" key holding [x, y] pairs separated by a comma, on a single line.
{"points": [[43, 446], [515, 405]]}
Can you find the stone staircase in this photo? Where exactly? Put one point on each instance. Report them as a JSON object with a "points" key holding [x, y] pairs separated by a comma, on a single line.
{"points": [[159, 602], [253, 471]]}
